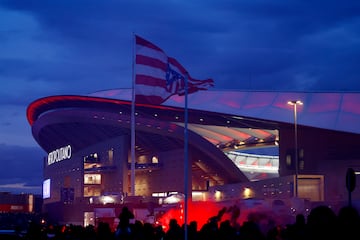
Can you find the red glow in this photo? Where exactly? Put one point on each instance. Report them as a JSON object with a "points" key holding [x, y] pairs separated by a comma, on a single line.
{"points": [[236, 212], [42, 105], [326, 102], [261, 133], [200, 212]]}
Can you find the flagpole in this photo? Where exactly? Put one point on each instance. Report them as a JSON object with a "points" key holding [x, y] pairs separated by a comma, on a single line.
{"points": [[132, 147], [186, 159]]}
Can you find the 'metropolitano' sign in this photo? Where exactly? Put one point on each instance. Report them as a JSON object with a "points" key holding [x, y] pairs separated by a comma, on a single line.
{"points": [[59, 154]]}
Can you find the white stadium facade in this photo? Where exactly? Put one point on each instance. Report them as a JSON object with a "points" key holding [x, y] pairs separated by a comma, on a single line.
{"points": [[237, 141]]}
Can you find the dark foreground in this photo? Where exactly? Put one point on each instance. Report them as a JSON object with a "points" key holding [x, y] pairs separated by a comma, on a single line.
{"points": [[321, 223]]}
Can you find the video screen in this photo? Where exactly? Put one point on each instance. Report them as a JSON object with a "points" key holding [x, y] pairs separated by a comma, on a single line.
{"points": [[46, 189]]}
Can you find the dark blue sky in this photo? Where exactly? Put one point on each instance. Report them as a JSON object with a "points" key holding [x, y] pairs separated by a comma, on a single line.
{"points": [[78, 47]]}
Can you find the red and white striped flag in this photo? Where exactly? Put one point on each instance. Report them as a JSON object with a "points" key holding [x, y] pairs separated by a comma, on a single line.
{"points": [[158, 77]]}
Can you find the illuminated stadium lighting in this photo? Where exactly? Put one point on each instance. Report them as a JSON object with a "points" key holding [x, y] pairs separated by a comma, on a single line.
{"points": [[247, 192], [245, 162], [196, 193], [217, 195], [295, 103], [176, 198], [107, 199]]}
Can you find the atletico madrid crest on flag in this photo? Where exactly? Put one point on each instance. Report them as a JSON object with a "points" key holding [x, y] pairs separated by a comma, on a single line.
{"points": [[158, 77], [174, 80]]}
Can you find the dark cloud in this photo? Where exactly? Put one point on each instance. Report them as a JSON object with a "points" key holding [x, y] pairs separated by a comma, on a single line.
{"points": [[268, 43]]}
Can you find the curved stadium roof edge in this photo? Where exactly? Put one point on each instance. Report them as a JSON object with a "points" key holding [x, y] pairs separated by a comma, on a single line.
{"points": [[328, 110]]}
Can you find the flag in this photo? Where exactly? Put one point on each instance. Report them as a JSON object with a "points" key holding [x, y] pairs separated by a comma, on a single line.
{"points": [[158, 76]]}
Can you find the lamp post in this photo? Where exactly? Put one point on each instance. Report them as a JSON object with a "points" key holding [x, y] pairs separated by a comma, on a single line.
{"points": [[295, 103]]}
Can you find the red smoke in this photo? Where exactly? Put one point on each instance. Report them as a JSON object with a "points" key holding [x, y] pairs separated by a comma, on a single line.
{"points": [[201, 212]]}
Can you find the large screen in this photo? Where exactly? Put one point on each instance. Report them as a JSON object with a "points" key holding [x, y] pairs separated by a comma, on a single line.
{"points": [[46, 188]]}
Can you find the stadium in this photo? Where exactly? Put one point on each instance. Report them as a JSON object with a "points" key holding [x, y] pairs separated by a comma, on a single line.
{"points": [[242, 145]]}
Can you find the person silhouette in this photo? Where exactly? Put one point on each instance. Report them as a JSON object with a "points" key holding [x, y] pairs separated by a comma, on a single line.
{"points": [[123, 230]]}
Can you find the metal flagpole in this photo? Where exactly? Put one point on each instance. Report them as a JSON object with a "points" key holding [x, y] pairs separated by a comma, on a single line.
{"points": [[186, 159], [132, 147]]}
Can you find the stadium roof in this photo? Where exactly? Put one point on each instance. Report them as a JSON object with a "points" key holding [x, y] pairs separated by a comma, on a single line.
{"points": [[339, 111], [227, 118]]}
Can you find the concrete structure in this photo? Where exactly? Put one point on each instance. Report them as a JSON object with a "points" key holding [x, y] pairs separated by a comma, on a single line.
{"points": [[89, 161]]}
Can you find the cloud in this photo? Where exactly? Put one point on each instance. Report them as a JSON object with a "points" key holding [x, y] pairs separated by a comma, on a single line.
{"points": [[20, 188], [265, 45], [22, 168]]}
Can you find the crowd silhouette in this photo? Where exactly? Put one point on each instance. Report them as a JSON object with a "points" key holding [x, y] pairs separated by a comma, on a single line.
{"points": [[322, 222]]}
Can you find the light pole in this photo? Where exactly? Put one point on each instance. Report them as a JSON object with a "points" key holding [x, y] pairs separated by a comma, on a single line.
{"points": [[295, 103]]}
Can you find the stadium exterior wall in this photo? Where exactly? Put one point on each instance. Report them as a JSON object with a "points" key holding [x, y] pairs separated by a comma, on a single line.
{"points": [[324, 157]]}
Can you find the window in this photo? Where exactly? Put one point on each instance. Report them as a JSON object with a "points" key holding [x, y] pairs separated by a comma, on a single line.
{"points": [[155, 159], [92, 178], [92, 158], [90, 191]]}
